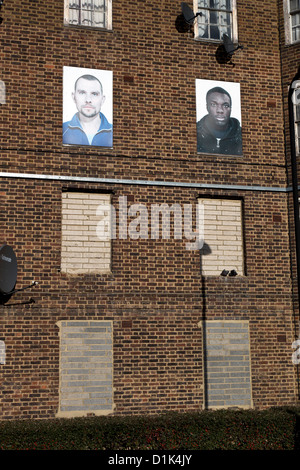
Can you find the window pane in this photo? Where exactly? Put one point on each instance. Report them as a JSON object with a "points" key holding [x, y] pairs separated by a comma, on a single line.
{"points": [[86, 18], [86, 5], [224, 5], [99, 19], [213, 17], [99, 13], [74, 16], [296, 33], [225, 19], [225, 30], [297, 113], [296, 19], [203, 4], [294, 5], [214, 32], [74, 12], [74, 4], [297, 137], [99, 4], [202, 24]]}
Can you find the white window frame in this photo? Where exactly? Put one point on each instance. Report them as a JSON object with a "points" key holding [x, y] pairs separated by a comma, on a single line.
{"points": [[108, 16], [296, 114], [233, 26], [296, 105], [288, 15], [297, 124]]}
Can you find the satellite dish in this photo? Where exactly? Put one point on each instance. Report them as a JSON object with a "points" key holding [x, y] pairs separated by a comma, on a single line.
{"points": [[226, 50], [229, 46], [8, 274], [8, 270], [188, 13]]}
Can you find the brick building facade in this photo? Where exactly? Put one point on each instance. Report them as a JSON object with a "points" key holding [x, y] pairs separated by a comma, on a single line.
{"points": [[130, 315]]}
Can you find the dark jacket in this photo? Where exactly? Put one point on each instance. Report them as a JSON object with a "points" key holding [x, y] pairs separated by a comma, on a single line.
{"points": [[74, 134], [230, 144]]}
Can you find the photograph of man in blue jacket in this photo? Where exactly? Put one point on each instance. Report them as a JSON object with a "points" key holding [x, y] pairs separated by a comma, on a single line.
{"points": [[88, 126]]}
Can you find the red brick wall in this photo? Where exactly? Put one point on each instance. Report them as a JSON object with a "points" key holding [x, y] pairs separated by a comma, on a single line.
{"points": [[154, 295]]}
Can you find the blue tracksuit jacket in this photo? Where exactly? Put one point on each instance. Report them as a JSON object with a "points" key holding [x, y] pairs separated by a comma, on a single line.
{"points": [[74, 134]]}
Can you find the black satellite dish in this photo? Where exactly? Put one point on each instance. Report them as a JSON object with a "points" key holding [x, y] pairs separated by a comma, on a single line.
{"points": [[229, 47], [226, 50], [185, 21], [188, 13], [8, 270], [8, 274]]}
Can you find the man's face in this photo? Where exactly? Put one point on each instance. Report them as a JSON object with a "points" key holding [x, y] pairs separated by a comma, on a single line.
{"points": [[88, 97], [219, 110]]}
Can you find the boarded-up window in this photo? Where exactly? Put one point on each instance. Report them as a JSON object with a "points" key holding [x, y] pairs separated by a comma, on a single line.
{"points": [[2, 352], [228, 373], [223, 236], [86, 368], [85, 248]]}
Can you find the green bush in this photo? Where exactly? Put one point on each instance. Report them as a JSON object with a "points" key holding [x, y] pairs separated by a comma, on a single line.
{"points": [[273, 429]]}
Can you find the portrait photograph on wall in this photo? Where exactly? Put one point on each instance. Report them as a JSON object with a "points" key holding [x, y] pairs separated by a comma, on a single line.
{"points": [[87, 107], [218, 117]]}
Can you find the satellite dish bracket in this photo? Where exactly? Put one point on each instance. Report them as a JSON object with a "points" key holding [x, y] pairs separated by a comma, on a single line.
{"points": [[34, 283], [237, 47], [190, 20]]}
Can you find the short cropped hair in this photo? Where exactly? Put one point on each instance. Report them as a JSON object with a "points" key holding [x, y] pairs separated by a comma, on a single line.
{"points": [[217, 89], [89, 77]]}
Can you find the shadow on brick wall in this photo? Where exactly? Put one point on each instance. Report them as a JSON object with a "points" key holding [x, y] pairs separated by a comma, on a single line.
{"points": [[297, 433]]}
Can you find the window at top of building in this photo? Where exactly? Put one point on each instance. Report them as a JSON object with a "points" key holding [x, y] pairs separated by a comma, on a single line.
{"points": [[217, 17], [297, 127], [90, 13], [295, 19], [291, 9]]}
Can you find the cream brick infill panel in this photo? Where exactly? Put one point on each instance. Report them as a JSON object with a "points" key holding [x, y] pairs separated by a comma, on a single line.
{"points": [[2, 352], [82, 250], [227, 363], [223, 234], [86, 368]]}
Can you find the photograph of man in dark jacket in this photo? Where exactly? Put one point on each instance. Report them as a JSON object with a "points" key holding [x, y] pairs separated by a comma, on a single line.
{"points": [[217, 131]]}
